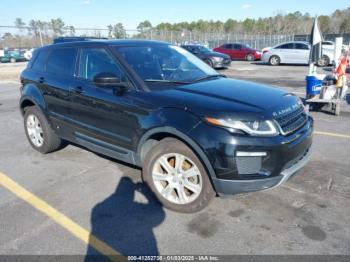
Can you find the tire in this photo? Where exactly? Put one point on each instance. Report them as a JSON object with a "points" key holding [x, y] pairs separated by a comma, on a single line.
{"points": [[274, 60], [250, 57], [209, 62], [162, 157], [39, 132], [13, 60], [324, 61]]}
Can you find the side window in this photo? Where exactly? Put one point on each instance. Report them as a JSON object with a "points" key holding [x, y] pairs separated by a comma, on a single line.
{"points": [[228, 46], [236, 46], [301, 46], [286, 46], [39, 61], [61, 61], [97, 60]]}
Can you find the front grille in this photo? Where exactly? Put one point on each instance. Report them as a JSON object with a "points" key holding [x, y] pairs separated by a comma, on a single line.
{"points": [[292, 121]]}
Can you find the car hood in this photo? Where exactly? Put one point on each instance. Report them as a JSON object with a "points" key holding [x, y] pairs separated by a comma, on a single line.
{"points": [[223, 97]]}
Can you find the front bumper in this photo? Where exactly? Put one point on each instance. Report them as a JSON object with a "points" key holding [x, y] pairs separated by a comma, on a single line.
{"points": [[257, 56], [229, 187], [224, 63], [238, 167]]}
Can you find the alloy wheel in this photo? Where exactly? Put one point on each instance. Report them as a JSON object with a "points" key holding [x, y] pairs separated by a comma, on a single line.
{"points": [[177, 178], [34, 130]]}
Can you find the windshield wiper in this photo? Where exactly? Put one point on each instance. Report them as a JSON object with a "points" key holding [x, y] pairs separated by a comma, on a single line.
{"points": [[166, 81], [207, 77]]}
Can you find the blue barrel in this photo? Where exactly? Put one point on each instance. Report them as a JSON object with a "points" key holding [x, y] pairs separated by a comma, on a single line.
{"points": [[313, 85]]}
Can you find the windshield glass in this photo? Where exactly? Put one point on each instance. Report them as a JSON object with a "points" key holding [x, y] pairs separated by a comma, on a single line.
{"points": [[165, 63]]}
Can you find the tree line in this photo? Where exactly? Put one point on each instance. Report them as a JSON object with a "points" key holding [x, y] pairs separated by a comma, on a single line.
{"points": [[36, 31], [290, 23]]}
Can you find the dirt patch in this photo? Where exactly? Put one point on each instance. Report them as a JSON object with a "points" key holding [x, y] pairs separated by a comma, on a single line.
{"points": [[11, 72]]}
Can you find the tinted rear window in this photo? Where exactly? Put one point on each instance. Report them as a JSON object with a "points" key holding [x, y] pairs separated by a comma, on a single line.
{"points": [[39, 62], [301, 46], [286, 46], [61, 61]]}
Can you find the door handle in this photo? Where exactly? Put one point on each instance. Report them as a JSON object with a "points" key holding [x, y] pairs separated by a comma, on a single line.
{"points": [[78, 90], [41, 80]]}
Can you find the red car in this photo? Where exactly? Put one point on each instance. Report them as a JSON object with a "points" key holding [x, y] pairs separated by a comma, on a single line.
{"points": [[239, 51]]}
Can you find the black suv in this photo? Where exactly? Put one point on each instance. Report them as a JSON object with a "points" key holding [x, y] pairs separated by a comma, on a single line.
{"points": [[194, 132], [213, 59]]}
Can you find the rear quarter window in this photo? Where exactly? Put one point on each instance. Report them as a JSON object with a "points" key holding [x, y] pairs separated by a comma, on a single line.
{"points": [[39, 60], [62, 61]]}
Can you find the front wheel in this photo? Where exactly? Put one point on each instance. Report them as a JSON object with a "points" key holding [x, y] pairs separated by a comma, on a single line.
{"points": [[177, 177], [274, 60], [209, 62]]}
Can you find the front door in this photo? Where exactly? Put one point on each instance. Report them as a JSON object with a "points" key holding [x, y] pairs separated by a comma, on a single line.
{"points": [[102, 116], [302, 53]]}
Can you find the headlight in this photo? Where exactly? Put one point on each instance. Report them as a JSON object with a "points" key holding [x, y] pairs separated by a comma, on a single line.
{"points": [[218, 59], [257, 128]]}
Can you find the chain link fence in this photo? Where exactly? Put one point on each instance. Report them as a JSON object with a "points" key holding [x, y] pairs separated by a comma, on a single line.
{"points": [[27, 37]]}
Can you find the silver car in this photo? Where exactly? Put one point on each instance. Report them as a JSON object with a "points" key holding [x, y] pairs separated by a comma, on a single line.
{"points": [[295, 52]]}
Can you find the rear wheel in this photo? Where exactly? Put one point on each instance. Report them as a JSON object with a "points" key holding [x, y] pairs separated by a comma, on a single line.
{"points": [[177, 177], [38, 131], [250, 57], [274, 60]]}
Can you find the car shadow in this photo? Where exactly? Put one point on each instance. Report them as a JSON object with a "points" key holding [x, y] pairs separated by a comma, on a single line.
{"points": [[125, 224]]}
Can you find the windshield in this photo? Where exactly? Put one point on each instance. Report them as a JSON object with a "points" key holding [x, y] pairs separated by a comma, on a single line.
{"points": [[165, 63]]}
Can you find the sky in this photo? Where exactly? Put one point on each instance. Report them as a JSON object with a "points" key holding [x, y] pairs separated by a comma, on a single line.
{"points": [[100, 13]]}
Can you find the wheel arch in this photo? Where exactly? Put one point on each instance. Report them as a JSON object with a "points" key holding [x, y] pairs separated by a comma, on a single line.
{"points": [[153, 136], [31, 96]]}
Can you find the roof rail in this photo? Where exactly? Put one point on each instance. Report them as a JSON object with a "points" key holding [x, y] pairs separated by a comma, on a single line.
{"points": [[65, 39]]}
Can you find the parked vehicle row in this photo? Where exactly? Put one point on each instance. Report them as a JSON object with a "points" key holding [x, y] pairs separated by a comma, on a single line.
{"points": [[294, 52], [13, 56]]}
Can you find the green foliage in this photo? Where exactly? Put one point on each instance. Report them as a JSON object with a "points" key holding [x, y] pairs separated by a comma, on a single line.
{"points": [[144, 26], [116, 31]]}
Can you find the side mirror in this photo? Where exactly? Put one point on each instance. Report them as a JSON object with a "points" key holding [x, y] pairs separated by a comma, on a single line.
{"points": [[110, 80]]}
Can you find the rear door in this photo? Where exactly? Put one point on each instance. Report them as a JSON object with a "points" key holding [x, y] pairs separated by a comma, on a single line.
{"points": [[286, 52], [238, 52], [302, 53], [56, 81], [226, 49]]}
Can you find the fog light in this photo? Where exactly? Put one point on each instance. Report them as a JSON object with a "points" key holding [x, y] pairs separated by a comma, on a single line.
{"points": [[241, 153]]}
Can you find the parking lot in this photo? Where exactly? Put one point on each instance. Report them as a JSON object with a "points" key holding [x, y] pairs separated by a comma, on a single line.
{"points": [[76, 202]]}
